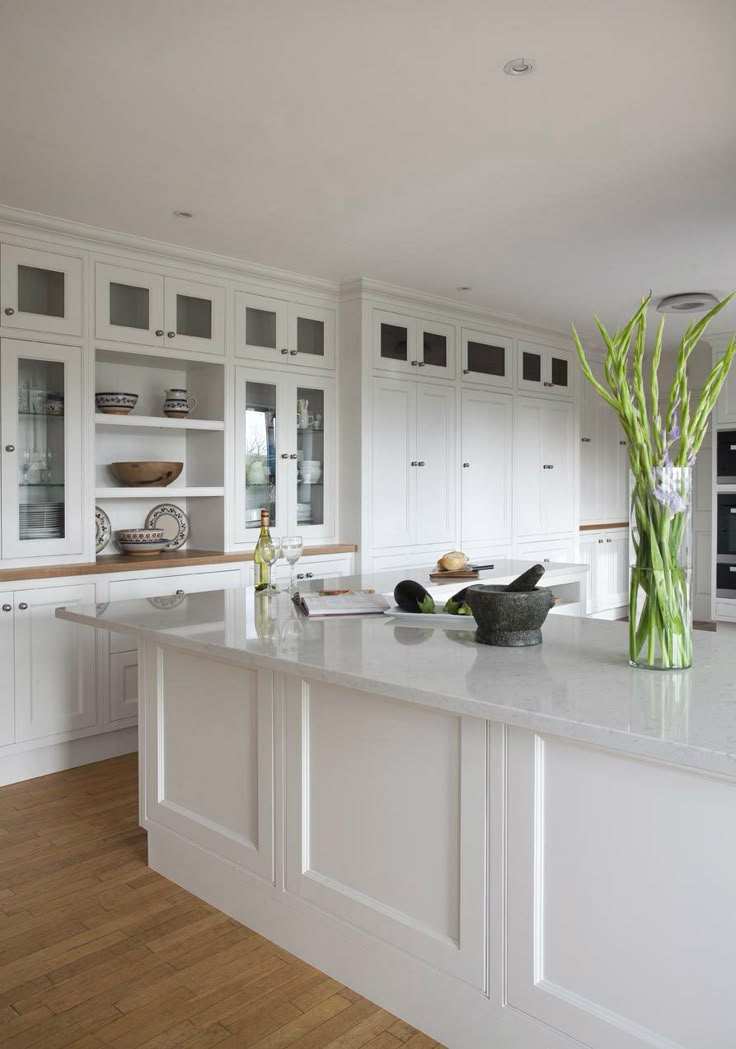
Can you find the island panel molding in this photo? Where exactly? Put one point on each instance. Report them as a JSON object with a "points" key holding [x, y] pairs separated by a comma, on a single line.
{"points": [[399, 849]]}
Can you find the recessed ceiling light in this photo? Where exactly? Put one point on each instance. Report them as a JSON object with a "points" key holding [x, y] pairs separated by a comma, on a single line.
{"points": [[687, 302], [183, 214], [519, 67]]}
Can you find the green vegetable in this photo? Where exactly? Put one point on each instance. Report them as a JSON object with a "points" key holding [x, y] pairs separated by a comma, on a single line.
{"points": [[411, 596], [457, 608]]}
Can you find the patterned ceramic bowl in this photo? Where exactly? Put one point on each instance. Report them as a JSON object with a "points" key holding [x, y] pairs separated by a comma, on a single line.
{"points": [[115, 403], [129, 536]]}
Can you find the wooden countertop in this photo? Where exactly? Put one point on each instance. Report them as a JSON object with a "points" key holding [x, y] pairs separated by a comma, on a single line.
{"points": [[172, 559], [603, 527]]}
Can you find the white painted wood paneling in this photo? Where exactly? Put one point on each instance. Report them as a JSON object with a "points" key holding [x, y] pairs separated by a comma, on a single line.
{"points": [[7, 669], [610, 874], [487, 437], [209, 739], [393, 482], [147, 325], [399, 848], [436, 469]]}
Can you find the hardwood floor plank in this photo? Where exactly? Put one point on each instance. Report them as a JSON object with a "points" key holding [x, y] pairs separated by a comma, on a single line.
{"points": [[97, 951]]}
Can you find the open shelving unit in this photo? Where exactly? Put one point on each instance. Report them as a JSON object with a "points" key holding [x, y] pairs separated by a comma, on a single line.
{"points": [[153, 422]]}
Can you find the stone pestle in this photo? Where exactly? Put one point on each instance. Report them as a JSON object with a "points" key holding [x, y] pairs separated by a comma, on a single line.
{"points": [[527, 580]]}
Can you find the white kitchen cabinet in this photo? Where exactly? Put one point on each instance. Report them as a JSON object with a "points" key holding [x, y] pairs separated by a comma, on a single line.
{"points": [[604, 464], [487, 358], [607, 553], [40, 291], [546, 550], [487, 438], [544, 467], [545, 369], [284, 332], [413, 456], [41, 405], [54, 663], [7, 669], [285, 444], [148, 309], [402, 343]]}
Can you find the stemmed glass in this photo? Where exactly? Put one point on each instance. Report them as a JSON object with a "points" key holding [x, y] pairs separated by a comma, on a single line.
{"points": [[292, 547], [271, 554]]}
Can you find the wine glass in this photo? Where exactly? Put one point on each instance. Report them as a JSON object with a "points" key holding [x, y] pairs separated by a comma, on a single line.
{"points": [[292, 547], [271, 554]]}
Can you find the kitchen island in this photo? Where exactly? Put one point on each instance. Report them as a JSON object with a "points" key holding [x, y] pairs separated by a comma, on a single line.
{"points": [[513, 848]]}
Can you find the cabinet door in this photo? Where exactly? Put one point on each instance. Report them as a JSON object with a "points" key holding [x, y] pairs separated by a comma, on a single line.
{"points": [[590, 473], [123, 685], [393, 475], [617, 568], [311, 336], [436, 511], [261, 327], [7, 670], [586, 555], [311, 404], [487, 358], [435, 344], [486, 467], [558, 474], [264, 441], [528, 449], [40, 291], [129, 305], [394, 342], [194, 315], [55, 663], [42, 440], [545, 369]]}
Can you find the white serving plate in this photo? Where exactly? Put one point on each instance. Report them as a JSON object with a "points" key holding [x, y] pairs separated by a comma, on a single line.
{"points": [[432, 619]]}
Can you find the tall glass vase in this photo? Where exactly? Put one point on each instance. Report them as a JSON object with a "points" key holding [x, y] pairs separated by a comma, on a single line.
{"points": [[660, 591]]}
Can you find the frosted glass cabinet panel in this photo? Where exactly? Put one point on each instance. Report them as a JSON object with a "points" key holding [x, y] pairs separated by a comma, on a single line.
{"points": [[194, 315], [129, 305], [277, 331], [41, 441], [40, 291]]}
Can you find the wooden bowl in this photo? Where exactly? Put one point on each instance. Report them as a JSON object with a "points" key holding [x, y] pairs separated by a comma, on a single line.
{"points": [[146, 474]]}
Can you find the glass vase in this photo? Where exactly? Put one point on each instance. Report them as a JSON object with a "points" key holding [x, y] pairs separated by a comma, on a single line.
{"points": [[660, 585]]}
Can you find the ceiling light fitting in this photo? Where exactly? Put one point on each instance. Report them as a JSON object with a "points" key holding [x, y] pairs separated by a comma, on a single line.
{"points": [[183, 214], [687, 302], [463, 287], [519, 67]]}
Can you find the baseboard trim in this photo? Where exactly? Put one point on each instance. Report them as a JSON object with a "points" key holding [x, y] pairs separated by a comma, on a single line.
{"points": [[56, 757]]}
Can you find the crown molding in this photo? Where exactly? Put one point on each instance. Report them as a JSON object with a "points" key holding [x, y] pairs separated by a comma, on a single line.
{"points": [[367, 287], [98, 237]]}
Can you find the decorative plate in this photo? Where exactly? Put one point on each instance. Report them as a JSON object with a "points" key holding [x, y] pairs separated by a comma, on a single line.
{"points": [[174, 522], [103, 530]]}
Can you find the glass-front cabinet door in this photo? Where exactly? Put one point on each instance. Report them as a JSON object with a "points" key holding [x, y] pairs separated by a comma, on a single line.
{"points": [[311, 336], [195, 316], [41, 449], [545, 369], [129, 305], [487, 358], [314, 413], [435, 344], [40, 291], [394, 341], [261, 465], [261, 327]]}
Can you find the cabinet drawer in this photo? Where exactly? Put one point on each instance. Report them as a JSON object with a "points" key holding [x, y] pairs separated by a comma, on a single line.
{"points": [[555, 550], [160, 585]]}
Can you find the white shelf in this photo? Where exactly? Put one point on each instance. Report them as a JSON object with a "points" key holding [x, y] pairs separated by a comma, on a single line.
{"points": [[157, 493], [155, 422]]}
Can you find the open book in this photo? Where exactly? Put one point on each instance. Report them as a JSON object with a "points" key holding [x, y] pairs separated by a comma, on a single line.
{"points": [[340, 602]]}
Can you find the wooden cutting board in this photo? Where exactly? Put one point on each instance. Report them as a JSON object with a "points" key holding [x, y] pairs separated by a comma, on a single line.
{"points": [[464, 573]]}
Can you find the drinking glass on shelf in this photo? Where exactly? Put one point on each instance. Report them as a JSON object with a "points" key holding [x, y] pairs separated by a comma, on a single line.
{"points": [[292, 547]]}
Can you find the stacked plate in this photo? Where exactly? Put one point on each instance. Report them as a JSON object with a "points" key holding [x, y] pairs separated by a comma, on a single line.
{"points": [[41, 520]]}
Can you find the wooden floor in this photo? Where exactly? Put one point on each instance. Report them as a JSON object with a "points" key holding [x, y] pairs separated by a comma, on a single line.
{"points": [[98, 951]]}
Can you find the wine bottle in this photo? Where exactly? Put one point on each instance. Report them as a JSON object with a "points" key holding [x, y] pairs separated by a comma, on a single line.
{"points": [[264, 553]]}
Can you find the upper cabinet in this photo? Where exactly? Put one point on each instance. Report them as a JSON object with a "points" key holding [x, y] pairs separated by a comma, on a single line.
{"points": [[487, 358], [402, 343], [40, 291], [276, 330], [147, 309], [41, 407], [545, 369]]}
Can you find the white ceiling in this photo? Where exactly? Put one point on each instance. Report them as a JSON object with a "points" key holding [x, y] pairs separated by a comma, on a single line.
{"points": [[380, 138]]}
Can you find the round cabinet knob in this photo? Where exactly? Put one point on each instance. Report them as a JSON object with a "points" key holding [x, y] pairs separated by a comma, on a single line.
{"points": [[585, 440], [421, 463], [284, 455], [415, 364], [600, 540], [22, 606], [294, 456], [546, 559], [300, 575], [293, 353], [7, 608], [465, 466], [609, 540], [171, 334], [9, 447], [414, 462], [285, 352], [159, 332], [623, 443], [178, 592], [466, 371], [310, 575], [9, 311], [422, 364]]}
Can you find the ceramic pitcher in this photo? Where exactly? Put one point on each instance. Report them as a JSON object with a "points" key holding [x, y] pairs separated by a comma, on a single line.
{"points": [[177, 404]]}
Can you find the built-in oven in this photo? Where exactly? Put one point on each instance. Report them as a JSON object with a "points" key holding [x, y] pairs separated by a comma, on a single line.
{"points": [[726, 546], [726, 457]]}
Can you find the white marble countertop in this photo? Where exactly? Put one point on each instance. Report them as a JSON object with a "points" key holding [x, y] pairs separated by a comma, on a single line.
{"points": [[577, 684]]}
